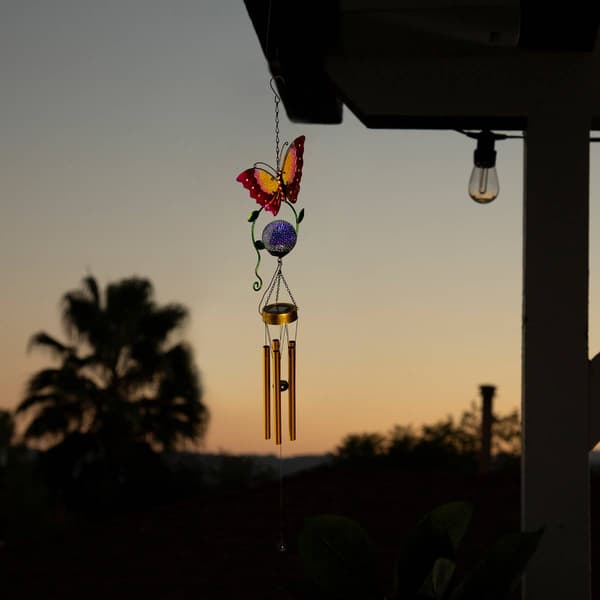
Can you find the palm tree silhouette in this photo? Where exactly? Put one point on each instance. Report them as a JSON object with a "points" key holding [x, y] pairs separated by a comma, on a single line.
{"points": [[123, 378]]}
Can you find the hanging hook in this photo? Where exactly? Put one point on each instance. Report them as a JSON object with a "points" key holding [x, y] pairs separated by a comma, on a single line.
{"points": [[272, 81]]}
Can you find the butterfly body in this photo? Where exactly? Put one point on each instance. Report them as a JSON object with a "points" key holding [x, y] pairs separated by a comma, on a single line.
{"points": [[271, 189]]}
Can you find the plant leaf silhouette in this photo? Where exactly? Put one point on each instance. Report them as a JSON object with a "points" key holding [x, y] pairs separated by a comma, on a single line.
{"points": [[339, 558], [498, 573], [437, 535]]}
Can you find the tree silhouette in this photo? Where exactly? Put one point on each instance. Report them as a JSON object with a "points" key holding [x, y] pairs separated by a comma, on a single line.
{"points": [[361, 447], [446, 442], [123, 377]]}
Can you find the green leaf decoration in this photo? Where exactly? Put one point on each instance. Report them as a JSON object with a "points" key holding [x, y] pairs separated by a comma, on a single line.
{"points": [[259, 245], [339, 558], [496, 576], [300, 217], [253, 216], [436, 536]]}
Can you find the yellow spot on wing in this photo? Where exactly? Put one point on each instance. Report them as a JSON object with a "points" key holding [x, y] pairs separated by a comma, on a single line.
{"points": [[289, 166], [267, 182]]}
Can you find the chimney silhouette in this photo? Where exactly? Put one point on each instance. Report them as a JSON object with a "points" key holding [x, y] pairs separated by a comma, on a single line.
{"points": [[487, 396]]}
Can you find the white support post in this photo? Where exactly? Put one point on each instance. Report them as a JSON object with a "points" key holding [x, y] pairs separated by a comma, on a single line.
{"points": [[555, 408]]}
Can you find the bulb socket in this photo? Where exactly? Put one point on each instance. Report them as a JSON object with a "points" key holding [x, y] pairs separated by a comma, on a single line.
{"points": [[484, 156], [484, 159]]}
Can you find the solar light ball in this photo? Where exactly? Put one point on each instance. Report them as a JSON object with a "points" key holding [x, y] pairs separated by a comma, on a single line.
{"points": [[279, 238]]}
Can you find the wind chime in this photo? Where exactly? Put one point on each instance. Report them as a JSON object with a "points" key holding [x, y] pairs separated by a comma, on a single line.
{"points": [[273, 188]]}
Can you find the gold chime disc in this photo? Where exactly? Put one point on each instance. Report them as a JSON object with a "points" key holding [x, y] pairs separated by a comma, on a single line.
{"points": [[280, 313]]}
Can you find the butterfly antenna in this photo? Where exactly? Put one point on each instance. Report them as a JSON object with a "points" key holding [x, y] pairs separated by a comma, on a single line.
{"points": [[263, 164]]}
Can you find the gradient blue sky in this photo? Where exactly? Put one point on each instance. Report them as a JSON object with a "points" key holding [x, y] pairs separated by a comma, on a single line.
{"points": [[123, 125]]}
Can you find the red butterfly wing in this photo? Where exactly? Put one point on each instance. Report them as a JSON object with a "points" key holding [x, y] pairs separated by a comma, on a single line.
{"points": [[263, 187], [291, 172]]}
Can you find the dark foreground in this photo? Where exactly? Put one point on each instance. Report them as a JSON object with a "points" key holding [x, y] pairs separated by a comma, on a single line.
{"points": [[226, 546]]}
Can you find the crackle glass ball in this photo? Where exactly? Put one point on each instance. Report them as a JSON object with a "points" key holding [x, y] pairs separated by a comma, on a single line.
{"points": [[279, 238]]}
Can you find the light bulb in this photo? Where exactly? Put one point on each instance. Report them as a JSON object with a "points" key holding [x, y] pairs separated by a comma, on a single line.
{"points": [[483, 184]]}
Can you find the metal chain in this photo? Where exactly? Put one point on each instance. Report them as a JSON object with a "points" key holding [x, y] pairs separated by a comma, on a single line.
{"points": [[268, 292], [275, 286], [288, 290], [277, 100], [271, 289]]}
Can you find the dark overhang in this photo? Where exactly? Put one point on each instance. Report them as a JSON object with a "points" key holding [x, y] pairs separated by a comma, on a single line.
{"points": [[295, 38], [427, 64]]}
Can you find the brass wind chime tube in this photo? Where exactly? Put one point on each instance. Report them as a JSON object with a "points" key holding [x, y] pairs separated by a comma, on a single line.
{"points": [[277, 389], [292, 388], [267, 389]]}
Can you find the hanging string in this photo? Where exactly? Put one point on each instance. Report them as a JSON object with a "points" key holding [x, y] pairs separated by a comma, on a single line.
{"points": [[282, 546], [267, 336]]}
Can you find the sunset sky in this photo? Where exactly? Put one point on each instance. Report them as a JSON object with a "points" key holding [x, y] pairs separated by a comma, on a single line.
{"points": [[123, 125]]}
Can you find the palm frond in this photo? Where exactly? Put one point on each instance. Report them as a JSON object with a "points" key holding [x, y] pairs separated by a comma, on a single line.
{"points": [[81, 317], [132, 296], [37, 400], [170, 424], [179, 367], [157, 325], [63, 382], [91, 286], [176, 413], [44, 340], [147, 365], [51, 420]]}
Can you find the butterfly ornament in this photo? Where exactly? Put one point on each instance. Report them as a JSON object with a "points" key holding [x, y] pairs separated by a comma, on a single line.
{"points": [[271, 188], [274, 188]]}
